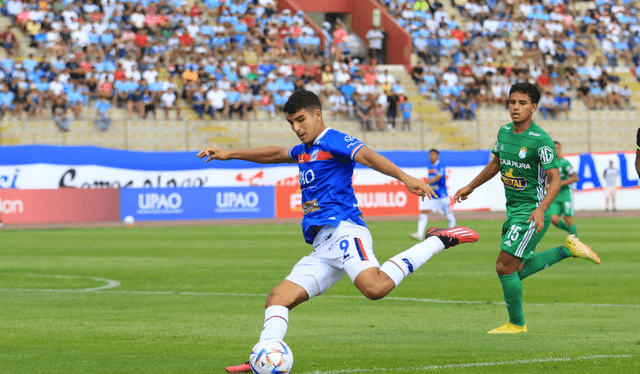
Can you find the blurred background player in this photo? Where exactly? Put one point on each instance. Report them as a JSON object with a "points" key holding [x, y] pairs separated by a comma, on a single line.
{"points": [[525, 159], [638, 152], [611, 183], [563, 204], [406, 107], [437, 181]]}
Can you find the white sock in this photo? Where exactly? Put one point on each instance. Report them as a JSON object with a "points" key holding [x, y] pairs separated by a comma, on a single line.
{"points": [[276, 322], [452, 220], [405, 263], [422, 223]]}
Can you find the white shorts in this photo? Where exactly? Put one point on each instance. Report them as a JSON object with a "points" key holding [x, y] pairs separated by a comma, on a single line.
{"points": [[610, 192], [440, 205], [338, 251]]}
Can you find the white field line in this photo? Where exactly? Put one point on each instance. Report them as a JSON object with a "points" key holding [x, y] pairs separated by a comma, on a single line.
{"points": [[109, 283], [474, 364], [113, 283]]}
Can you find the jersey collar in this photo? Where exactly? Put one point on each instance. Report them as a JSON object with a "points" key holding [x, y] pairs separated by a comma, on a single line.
{"points": [[321, 135]]}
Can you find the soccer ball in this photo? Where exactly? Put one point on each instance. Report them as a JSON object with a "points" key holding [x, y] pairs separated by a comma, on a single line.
{"points": [[128, 220], [271, 356]]}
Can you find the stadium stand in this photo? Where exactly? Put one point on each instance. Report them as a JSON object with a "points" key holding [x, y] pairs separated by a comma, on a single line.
{"points": [[222, 58]]}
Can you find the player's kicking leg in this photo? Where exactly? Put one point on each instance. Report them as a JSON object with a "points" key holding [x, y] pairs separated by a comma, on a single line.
{"points": [[242, 368], [580, 250], [435, 240]]}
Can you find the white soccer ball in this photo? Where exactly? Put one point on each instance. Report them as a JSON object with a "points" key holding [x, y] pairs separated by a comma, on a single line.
{"points": [[129, 221], [271, 356]]}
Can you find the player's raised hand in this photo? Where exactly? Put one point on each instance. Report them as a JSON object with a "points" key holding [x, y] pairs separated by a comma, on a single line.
{"points": [[419, 187], [213, 153], [462, 194]]}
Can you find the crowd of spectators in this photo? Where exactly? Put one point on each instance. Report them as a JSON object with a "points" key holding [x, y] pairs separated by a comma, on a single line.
{"points": [[163, 55], [144, 55], [568, 50]]}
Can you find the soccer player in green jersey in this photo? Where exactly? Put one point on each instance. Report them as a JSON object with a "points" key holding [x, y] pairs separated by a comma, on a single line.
{"points": [[563, 204], [526, 159]]}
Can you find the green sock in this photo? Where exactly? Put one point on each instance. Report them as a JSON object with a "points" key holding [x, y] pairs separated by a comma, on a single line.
{"points": [[542, 260], [512, 289], [573, 230], [564, 226]]}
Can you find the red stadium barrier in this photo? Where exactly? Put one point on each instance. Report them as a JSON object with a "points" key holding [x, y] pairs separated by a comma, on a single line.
{"points": [[59, 205], [378, 200], [399, 44]]}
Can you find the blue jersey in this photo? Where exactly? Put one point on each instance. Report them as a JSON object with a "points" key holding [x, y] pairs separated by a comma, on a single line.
{"points": [[439, 187], [325, 173]]}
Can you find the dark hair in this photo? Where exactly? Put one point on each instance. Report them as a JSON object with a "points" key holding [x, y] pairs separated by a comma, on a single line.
{"points": [[434, 150], [528, 89], [556, 142], [302, 100]]}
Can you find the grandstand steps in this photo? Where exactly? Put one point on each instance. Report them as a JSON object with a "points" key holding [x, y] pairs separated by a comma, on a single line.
{"points": [[223, 134], [156, 135], [451, 10], [583, 131]]}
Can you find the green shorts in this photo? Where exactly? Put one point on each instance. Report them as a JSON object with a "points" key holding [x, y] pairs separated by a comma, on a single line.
{"points": [[519, 237], [562, 207]]}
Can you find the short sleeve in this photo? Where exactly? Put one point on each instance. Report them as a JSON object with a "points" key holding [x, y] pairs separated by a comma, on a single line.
{"points": [[546, 154], [570, 170], [496, 148], [344, 146], [295, 151]]}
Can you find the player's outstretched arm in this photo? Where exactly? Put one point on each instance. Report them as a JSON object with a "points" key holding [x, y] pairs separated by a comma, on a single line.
{"points": [[489, 171], [375, 161], [261, 155]]}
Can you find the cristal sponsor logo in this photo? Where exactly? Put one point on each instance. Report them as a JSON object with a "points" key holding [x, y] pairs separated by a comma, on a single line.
{"points": [[381, 199], [533, 133], [519, 165], [151, 203], [11, 206], [517, 183], [237, 202]]}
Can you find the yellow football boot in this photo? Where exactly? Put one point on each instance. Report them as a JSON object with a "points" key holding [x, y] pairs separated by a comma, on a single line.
{"points": [[581, 250], [508, 328]]}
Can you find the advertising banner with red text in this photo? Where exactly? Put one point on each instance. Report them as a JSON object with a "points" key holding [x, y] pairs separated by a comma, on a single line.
{"points": [[60, 205], [374, 200]]}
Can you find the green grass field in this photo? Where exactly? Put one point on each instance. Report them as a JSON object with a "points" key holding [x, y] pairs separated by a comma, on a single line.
{"points": [[191, 299]]}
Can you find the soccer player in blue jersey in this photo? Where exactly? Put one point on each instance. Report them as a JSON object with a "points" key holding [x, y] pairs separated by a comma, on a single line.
{"points": [[437, 180], [332, 222]]}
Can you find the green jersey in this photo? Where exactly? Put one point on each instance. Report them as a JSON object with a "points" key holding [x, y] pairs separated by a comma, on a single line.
{"points": [[566, 169], [524, 158]]}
